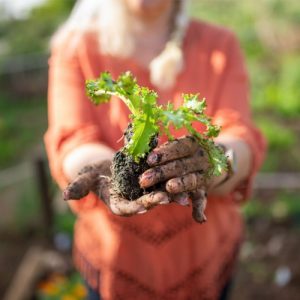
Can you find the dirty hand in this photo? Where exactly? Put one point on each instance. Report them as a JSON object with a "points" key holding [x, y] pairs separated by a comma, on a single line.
{"points": [[97, 179], [181, 164]]}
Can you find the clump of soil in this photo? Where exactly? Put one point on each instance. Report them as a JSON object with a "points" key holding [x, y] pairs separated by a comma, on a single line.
{"points": [[126, 171]]}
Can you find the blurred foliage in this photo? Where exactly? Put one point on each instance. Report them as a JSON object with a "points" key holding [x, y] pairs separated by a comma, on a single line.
{"points": [[27, 212], [285, 207], [24, 122], [32, 34], [280, 137], [269, 33], [64, 222], [21, 126], [288, 98]]}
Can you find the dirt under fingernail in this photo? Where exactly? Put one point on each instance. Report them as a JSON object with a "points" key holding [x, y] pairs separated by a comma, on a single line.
{"points": [[146, 179], [152, 158]]}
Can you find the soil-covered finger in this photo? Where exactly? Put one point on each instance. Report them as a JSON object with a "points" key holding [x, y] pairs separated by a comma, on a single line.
{"points": [[199, 200], [122, 207], [180, 167], [80, 187], [152, 199], [171, 150], [185, 183]]}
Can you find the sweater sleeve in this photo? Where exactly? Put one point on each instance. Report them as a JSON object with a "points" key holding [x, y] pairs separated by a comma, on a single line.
{"points": [[233, 113], [71, 116]]}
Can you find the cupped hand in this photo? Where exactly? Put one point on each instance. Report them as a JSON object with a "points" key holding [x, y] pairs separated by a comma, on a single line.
{"points": [[96, 178], [181, 164]]}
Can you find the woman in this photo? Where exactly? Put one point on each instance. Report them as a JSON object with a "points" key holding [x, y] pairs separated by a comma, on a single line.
{"points": [[163, 254]]}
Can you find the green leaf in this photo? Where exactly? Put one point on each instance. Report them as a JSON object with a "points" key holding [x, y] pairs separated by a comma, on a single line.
{"points": [[213, 131], [193, 103], [176, 117], [147, 117], [143, 130]]}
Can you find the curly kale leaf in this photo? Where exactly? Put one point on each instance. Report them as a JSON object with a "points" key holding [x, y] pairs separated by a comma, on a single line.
{"points": [[141, 102], [125, 87], [148, 118], [193, 110]]}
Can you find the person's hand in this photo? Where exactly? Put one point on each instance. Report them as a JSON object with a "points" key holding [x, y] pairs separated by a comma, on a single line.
{"points": [[181, 164], [96, 178]]}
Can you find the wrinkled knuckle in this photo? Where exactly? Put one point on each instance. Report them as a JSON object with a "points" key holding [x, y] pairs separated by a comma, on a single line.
{"points": [[149, 201], [160, 197], [159, 174], [157, 199], [174, 186], [142, 201]]}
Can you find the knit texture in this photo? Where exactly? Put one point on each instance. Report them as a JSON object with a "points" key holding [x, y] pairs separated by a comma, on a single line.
{"points": [[162, 254]]}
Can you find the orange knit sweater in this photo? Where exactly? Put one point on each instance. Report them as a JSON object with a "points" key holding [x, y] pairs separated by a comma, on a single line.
{"points": [[163, 254]]}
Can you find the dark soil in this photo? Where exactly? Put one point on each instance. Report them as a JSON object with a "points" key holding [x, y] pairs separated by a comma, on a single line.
{"points": [[125, 175], [126, 172]]}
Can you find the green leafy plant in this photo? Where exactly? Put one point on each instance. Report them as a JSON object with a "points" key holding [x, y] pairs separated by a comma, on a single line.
{"points": [[149, 119]]}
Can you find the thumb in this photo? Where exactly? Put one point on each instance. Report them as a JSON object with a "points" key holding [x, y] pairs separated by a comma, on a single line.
{"points": [[80, 186]]}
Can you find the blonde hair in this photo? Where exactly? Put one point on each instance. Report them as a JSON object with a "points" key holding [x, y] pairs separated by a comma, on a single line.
{"points": [[165, 68], [111, 23]]}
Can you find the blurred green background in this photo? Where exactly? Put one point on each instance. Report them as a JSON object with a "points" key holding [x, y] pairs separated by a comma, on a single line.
{"points": [[269, 33]]}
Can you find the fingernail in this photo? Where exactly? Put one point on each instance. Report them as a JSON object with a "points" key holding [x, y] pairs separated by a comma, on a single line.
{"points": [[142, 212], [152, 158], [147, 175], [146, 178]]}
